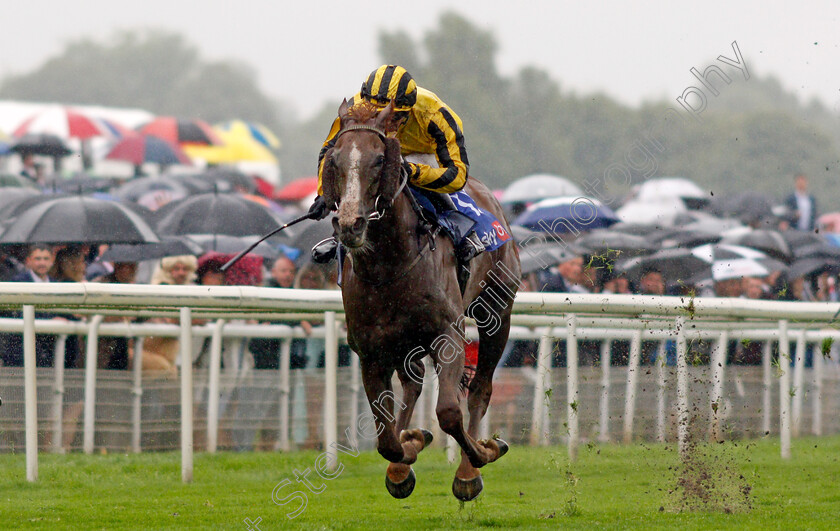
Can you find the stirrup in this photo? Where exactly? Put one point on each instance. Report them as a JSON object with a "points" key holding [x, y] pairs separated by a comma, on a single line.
{"points": [[325, 250]]}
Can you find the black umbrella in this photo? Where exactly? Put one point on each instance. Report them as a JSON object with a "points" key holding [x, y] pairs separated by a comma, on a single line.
{"points": [[79, 183], [804, 267], [229, 179], [767, 241], [233, 244], [685, 238], [41, 144], [10, 196], [78, 219], [747, 206], [683, 264], [168, 246], [796, 239], [213, 213], [638, 229], [312, 233], [817, 250], [137, 188], [603, 241]]}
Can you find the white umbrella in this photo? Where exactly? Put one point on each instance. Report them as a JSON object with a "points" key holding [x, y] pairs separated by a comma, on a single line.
{"points": [[539, 186], [661, 212], [679, 187]]}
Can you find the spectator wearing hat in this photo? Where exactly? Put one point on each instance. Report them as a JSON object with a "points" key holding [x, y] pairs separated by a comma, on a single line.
{"points": [[160, 353]]}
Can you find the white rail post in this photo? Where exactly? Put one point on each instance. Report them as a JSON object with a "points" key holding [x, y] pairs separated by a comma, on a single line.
{"points": [[767, 399], [355, 390], [58, 391], [604, 406], [572, 385], [816, 427], [285, 389], [784, 389], [661, 382], [137, 398], [432, 383], [798, 383], [542, 390], [330, 392], [632, 382], [213, 386], [718, 366], [186, 396], [682, 387], [30, 393], [91, 355]]}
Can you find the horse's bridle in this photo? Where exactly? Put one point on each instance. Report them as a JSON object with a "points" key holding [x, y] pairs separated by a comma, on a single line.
{"points": [[377, 213]]}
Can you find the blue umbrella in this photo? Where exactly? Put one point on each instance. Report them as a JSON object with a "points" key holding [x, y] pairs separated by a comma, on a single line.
{"points": [[567, 214]]}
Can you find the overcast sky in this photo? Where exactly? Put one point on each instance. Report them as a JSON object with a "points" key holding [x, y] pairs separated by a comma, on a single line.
{"points": [[311, 52]]}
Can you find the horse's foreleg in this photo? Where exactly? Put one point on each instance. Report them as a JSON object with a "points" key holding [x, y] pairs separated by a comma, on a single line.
{"points": [[383, 403], [412, 385]]}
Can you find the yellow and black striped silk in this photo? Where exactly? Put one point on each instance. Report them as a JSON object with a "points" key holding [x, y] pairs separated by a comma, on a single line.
{"points": [[432, 127]]}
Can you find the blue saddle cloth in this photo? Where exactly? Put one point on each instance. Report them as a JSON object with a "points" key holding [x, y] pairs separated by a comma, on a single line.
{"points": [[486, 226]]}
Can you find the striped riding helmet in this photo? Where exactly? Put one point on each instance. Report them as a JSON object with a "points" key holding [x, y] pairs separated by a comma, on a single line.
{"points": [[390, 82]]}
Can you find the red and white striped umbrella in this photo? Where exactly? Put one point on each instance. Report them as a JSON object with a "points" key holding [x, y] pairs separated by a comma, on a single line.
{"points": [[63, 122]]}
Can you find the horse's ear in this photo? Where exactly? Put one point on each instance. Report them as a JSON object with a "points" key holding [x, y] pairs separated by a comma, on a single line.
{"points": [[390, 178], [384, 115], [343, 111], [329, 181]]}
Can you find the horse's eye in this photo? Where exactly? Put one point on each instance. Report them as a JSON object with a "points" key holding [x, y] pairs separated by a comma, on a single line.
{"points": [[380, 160]]}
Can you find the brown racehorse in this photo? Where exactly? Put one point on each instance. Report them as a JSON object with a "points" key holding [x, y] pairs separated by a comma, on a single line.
{"points": [[403, 302]]}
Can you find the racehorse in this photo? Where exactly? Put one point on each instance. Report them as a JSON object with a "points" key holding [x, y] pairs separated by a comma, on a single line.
{"points": [[402, 300]]}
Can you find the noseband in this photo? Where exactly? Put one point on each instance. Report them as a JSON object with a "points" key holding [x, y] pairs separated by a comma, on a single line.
{"points": [[377, 211]]}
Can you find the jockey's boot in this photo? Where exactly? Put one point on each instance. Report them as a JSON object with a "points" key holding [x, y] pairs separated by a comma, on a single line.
{"points": [[469, 248], [325, 250]]}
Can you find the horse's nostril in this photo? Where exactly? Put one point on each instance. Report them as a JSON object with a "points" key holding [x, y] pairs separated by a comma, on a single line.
{"points": [[359, 225]]}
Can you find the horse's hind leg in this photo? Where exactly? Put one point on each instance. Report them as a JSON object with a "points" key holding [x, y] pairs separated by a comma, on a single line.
{"points": [[492, 339], [377, 381], [448, 410]]}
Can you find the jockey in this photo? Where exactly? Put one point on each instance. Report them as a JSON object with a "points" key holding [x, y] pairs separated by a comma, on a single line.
{"points": [[426, 125]]}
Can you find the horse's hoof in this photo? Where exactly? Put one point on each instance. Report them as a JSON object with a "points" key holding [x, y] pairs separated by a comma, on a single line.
{"points": [[467, 489], [403, 489], [503, 447], [427, 438]]}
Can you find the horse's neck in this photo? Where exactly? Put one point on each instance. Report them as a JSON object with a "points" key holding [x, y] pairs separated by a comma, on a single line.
{"points": [[393, 239]]}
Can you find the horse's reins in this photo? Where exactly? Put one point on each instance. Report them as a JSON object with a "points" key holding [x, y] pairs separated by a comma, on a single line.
{"points": [[378, 213]]}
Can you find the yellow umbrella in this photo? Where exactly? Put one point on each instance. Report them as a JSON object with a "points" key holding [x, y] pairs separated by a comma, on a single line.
{"points": [[237, 147], [256, 131]]}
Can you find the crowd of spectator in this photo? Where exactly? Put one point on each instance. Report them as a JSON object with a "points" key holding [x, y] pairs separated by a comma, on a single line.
{"points": [[243, 397]]}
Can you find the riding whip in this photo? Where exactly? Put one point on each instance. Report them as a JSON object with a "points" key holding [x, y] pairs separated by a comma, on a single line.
{"points": [[267, 236]]}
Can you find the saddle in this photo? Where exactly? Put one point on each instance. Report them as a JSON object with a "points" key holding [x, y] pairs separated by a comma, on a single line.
{"points": [[471, 228]]}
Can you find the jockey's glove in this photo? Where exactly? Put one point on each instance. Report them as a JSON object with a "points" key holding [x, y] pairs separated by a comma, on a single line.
{"points": [[319, 209], [408, 169]]}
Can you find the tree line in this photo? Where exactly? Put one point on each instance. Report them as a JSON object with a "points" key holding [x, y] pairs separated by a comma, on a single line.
{"points": [[753, 137]]}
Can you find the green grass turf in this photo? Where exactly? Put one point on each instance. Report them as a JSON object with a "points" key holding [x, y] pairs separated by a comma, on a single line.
{"points": [[608, 487]]}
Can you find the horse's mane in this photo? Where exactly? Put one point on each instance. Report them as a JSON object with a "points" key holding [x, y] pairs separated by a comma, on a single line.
{"points": [[362, 112]]}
